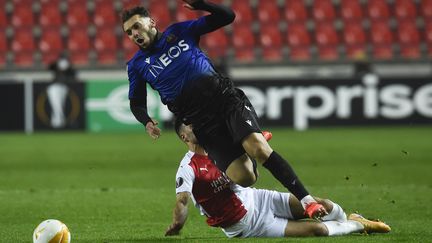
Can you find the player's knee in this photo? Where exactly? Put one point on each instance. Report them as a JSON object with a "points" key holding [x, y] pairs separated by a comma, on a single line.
{"points": [[320, 230]]}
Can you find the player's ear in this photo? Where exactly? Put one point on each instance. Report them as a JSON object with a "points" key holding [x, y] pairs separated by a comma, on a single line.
{"points": [[183, 138], [152, 23]]}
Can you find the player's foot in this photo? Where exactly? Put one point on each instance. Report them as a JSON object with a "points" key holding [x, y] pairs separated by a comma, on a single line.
{"points": [[315, 210], [370, 226], [267, 135]]}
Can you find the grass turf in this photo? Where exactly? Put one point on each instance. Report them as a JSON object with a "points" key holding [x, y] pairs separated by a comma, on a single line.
{"points": [[120, 187]]}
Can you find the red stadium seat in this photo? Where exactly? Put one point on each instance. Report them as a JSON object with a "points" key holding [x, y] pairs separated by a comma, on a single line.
{"points": [[378, 9], [107, 57], [409, 39], [405, 9], [160, 11], [50, 15], [77, 14], [23, 59], [51, 45], [216, 43], [355, 39], [104, 14], [271, 43], [268, 11], [299, 41], [426, 8], [105, 39], [295, 11], [183, 14], [22, 16], [244, 43], [327, 41], [79, 45], [323, 10], [351, 10], [3, 42], [23, 40], [127, 4], [243, 11], [382, 40], [3, 19]]}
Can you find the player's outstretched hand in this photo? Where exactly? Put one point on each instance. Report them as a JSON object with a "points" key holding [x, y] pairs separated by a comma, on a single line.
{"points": [[173, 229], [188, 4], [153, 130]]}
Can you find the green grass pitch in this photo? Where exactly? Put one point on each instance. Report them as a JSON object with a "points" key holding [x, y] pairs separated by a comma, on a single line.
{"points": [[120, 187]]}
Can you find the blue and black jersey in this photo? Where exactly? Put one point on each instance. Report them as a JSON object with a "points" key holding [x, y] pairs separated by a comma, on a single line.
{"points": [[174, 59]]}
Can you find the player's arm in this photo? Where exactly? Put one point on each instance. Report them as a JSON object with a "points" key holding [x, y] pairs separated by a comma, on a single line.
{"points": [[139, 110], [180, 214], [219, 15]]}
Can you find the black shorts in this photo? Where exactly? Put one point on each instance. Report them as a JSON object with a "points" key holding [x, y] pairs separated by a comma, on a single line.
{"points": [[221, 117]]}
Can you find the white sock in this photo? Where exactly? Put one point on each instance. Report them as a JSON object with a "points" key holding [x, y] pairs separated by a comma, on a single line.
{"points": [[347, 227], [336, 214], [306, 200]]}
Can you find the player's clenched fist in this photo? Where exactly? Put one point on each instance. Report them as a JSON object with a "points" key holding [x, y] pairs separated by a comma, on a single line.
{"points": [[153, 130]]}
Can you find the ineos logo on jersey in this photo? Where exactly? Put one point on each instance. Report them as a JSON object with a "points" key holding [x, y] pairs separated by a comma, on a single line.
{"points": [[166, 59]]}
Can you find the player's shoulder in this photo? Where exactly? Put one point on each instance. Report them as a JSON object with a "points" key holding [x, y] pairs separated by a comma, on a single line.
{"points": [[137, 58]]}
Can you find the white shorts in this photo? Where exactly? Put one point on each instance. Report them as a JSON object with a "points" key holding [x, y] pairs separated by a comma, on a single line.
{"points": [[267, 214]]}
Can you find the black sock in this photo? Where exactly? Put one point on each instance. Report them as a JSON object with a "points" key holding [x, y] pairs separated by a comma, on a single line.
{"points": [[283, 172]]}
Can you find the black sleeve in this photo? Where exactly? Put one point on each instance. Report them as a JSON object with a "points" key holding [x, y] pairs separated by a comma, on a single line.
{"points": [[219, 17], [139, 109]]}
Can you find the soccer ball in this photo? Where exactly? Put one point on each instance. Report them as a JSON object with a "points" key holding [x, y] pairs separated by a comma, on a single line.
{"points": [[51, 230]]}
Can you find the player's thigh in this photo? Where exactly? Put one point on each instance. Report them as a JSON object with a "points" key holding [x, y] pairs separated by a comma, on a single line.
{"points": [[241, 171], [305, 228], [257, 147]]}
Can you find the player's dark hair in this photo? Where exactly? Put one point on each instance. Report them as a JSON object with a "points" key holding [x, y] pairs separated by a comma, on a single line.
{"points": [[128, 13], [177, 125]]}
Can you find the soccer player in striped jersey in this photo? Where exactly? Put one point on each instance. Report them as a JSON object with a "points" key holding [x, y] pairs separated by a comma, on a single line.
{"points": [[223, 119], [250, 212]]}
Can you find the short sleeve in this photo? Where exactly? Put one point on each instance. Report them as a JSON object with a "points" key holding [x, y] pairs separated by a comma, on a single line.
{"points": [[184, 179]]}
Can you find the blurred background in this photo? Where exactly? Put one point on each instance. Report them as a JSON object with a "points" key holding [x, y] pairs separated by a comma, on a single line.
{"points": [[302, 63]]}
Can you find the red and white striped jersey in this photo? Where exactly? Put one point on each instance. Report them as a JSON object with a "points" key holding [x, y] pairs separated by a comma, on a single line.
{"points": [[211, 190]]}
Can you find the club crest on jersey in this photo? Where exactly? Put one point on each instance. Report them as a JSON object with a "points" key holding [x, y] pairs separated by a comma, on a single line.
{"points": [[171, 38]]}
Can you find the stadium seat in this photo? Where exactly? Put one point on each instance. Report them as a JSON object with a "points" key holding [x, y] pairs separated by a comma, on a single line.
{"points": [[105, 39], [183, 14], [354, 38], [244, 43], [216, 43], [107, 57], [382, 40], [271, 43], [268, 11], [161, 13], [127, 4], [23, 40], [299, 42], [327, 41], [3, 20], [323, 10], [426, 9], [378, 9], [405, 9], [409, 39], [351, 10], [3, 42], [295, 11], [22, 15], [79, 46], [23, 59], [77, 15], [243, 11], [104, 13], [50, 15], [51, 45]]}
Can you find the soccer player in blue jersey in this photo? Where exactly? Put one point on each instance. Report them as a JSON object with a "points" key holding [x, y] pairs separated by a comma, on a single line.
{"points": [[222, 117]]}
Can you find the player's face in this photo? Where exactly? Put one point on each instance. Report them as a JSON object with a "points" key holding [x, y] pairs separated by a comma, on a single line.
{"points": [[140, 30], [188, 134]]}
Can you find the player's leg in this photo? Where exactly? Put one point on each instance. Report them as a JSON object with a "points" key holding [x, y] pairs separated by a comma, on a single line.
{"points": [[242, 171], [335, 212]]}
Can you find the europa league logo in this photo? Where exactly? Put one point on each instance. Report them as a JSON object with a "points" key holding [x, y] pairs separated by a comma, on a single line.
{"points": [[63, 104], [56, 97]]}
